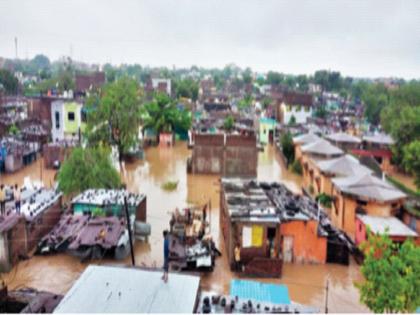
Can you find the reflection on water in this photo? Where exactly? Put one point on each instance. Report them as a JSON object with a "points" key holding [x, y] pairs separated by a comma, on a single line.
{"points": [[306, 282]]}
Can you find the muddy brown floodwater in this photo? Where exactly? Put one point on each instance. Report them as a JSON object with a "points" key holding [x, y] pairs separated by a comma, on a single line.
{"points": [[306, 283]]}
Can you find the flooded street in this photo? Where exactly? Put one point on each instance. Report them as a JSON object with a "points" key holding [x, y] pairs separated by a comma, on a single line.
{"points": [[306, 282]]}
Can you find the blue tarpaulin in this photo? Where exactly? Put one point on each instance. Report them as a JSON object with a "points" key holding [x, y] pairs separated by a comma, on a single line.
{"points": [[259, 291]]}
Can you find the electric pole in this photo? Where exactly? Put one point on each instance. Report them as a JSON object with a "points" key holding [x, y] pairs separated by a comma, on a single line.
{"points": [[133, 262], [16, 48], [326, 298]]}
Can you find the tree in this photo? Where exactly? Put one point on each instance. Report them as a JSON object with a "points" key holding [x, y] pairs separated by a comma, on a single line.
{"points": [[392, 275], [114, 116], [275, 78], [162, 115], [288, 149], [228, 123], [87, 168], [9, 82], [411, 160], [246, 102], [375, 98], [40, 62], [321, 112], [186, 88], [292, 120]]}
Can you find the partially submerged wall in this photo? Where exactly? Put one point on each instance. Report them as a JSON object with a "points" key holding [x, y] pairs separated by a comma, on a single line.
{"points": [[227, 155]]}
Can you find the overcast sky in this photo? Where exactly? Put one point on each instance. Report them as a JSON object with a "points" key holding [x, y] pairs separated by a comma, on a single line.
{"points": [[359, 38]]}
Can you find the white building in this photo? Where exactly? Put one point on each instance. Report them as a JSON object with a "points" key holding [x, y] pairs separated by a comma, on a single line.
{"points": [[66, 119], [157, 83]]}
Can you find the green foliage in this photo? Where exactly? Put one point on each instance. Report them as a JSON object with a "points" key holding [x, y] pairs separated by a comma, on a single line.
{"points": [[296, 167], [114, 116], [275, 78], [9, 82], [14, 130], [321, 112], [328, 80], [266, 102], [391, 275], [229, 122], [186, 88], [286, 142], [411, 160], [376, 98], [325, 200], [161, 115], [403, 188], [87, 168], [292, 120], [170, 185], [246, 102]]}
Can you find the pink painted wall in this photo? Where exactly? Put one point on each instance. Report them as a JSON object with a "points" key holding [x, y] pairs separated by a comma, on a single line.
{"points": [[360, 235]]}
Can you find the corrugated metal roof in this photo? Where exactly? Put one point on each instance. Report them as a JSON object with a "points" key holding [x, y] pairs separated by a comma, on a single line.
{"points": [[378, 225], [322, 147], [306, 138], [345, 165], [368, 186], [102, 289], [343, 137]]}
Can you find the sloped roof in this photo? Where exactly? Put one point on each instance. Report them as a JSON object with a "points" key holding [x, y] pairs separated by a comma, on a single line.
{"points": [[306, 138], [379, 138], [368, 186], [345, 165], [343, 137], [104, 289], [378, 225], [322, 147]]}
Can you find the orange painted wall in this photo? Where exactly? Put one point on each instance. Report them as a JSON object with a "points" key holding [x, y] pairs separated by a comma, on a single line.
{"points": [[307, 245]]}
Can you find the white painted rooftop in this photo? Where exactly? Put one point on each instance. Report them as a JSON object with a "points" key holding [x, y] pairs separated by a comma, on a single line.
{"points": [[104, 289]]}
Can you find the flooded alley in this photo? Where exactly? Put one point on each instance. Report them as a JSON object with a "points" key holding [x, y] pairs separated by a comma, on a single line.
{"points": [[307, 283]]}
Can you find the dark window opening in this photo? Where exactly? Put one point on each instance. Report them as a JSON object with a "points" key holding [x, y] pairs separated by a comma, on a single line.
{"points": [[57, 120], [70, 116]]}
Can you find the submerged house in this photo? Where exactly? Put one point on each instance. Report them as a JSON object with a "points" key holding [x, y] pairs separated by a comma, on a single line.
{"points": [[15, 154], [314, 152], [67, 120], [363, 194], [267, 128], [98, 225], [377, 146], [294, 104], [54, 153], [228, 155], [325, 170], [394, 228], [344, 141], [40, 211], [301, 140], [271, 225]]}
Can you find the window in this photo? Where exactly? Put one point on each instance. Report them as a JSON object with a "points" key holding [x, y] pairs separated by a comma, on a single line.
{"points": [[57, 120], [70, 116], [361, 203]]}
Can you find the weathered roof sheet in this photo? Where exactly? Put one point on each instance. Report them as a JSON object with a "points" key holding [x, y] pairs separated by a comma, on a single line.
{"points": [[306, 138], [379, 138], [102, 289], [102, 197], [345, 165], [368, 186], [378, 225], [343, 137], [322, 147]]}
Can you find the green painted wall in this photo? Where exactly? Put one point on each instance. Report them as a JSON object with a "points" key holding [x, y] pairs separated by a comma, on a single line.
{"points": [[72, 126]]}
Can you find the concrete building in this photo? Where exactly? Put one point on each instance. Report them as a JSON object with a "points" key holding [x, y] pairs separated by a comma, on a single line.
{"points": [[344, 141], [229, 155], [297, 105], [41, 210], [267, 127], [363, 194], [377, 225], [66, 118], [102, 289], [272, 226]]}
